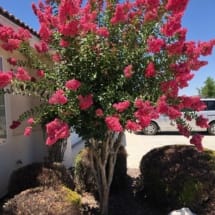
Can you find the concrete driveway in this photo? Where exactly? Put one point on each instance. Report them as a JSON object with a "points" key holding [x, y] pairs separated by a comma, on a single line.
{"points": [[138, 144]]}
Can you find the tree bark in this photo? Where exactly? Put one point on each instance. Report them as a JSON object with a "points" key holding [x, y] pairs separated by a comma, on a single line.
{"points": [[103, 156]]}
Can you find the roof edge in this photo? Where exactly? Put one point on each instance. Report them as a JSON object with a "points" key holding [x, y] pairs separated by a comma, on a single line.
{"points": [[17, 21]]}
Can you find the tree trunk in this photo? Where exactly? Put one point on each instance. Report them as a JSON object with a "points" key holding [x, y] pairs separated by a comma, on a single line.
{"points": [[103, 156], [55, 151]]}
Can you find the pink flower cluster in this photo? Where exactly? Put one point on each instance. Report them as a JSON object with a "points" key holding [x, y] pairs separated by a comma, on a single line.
{"points": [[28, 129], [99, 112], [56, 130], [12, 61], [202, 122], [197, 141], [85, 102], [184, 130], [15, 124], [22, 74], [11, 39], [121, 106], [176, 6], [5, 79], [73, 84], [145, 112], [121, 13], [128, 71], [58, 98], [155, 44], [172, 25], [150, 70], [40, 73], [41, 47], [132, 126], [113, 123]]}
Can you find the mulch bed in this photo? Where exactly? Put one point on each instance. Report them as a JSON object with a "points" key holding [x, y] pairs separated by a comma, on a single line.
{"points": [[123, 202]]}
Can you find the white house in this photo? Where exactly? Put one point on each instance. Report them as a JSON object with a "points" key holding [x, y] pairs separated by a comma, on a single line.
{"points": [[17, 150]]}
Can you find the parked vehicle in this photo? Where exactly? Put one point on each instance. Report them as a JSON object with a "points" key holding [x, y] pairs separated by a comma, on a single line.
{"points": [[163, 123]]}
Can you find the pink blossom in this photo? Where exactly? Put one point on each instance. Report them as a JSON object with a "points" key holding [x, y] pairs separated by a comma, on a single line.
{"points": [[45, 32], [58, 98], [40, 73], [132, 126], [41, 47], [85, 102], [56, 129], [197, 64], [103, 32], [56, 57], [99, 112], [5, 79], [11, 44], [202, 122], [15, 124], [173, 113], [12, 61], [121, 106], [144, 120], [128, 71], [28, 131], [23, 34], [22, 74], [70, 28], [113, 123], [176, 6], [197, 141], [6, 32], [155, 44], [151, 4], [150, 70], [175, 48], [206, 47], [183, 130], [192, 102], [151, 14], [68, 8], [162, 106], [170, 88], [120, 14], [64, 43], [172, 25], [73, 84], [31, 121]]}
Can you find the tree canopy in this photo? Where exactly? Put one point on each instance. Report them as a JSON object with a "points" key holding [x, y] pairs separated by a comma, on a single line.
{"points": [[208, 89], [103, 67]]}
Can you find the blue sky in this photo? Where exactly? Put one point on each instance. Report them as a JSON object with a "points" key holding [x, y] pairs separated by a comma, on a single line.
{"points": [[199, 19]]}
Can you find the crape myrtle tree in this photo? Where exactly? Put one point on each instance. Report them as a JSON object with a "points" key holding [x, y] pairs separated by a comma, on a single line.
{"points": [[103, 67]]}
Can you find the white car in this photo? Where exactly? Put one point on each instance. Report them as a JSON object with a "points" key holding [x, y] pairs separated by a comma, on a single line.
{"points": [[163, 123]]}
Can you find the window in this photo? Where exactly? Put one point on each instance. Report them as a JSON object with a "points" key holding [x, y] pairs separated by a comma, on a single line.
{"points": [[211, 105], [2, 112]]}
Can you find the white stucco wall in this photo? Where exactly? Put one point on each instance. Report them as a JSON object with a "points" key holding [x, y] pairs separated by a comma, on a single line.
{"points": [[17, 150]]}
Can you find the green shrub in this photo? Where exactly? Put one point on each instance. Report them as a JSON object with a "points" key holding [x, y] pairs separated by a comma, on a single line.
{"points": [[44, 200], [84, 178], [178, 176], [39, 174]]}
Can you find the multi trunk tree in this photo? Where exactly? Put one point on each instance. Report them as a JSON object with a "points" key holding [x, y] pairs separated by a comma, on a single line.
{"points": [[103, 67]]}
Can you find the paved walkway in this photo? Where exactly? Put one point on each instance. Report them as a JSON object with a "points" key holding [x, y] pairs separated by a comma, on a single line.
{"points": [[137, 144]]}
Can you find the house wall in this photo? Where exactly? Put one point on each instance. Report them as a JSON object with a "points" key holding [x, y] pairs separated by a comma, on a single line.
{"points": [[17, 150]]}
